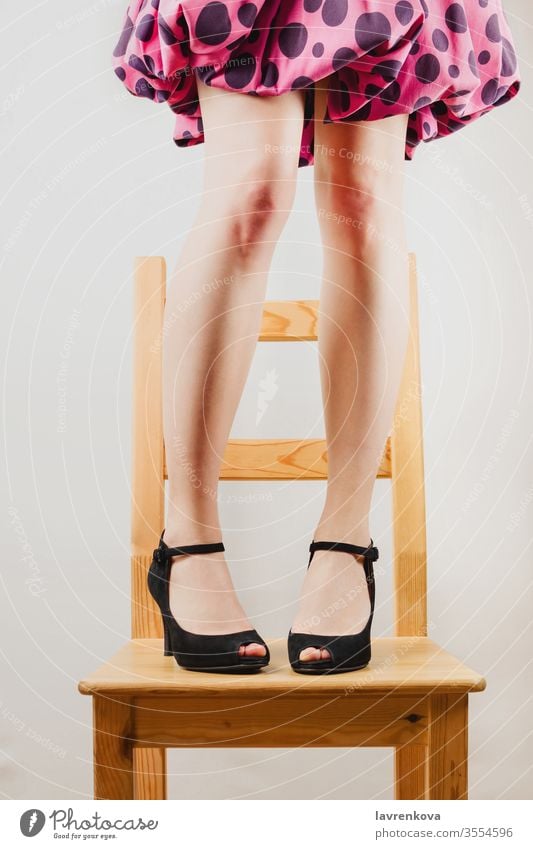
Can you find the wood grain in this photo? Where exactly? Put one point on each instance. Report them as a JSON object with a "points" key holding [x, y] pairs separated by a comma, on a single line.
{"points": [[112, 748], [447, 767], [239, 721], [399, 665], [149, 773], [282, 459], [410, 763], [408, 493], [148, 485], [289, 321]]}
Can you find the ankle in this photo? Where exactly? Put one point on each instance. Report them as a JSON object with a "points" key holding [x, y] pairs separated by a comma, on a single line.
{"points": [[335, 531], [188, 532]]}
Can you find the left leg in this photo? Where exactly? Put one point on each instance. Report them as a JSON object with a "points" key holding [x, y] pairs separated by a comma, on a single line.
{"points": [[363, 324]]}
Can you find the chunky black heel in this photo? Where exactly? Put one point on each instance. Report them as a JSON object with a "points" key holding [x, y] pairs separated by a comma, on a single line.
{"points": [[347, 652], [167, 651], [200, 652]]}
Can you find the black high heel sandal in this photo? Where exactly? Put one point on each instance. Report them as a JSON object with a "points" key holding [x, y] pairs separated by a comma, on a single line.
{"points": [[347, 652], [199, 652]]}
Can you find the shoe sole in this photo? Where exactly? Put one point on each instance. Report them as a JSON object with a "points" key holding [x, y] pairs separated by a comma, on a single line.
{"points": [[226, 670], [326, 670]]}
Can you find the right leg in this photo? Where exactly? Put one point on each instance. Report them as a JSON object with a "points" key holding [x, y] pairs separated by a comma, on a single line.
{"points": [[212, 320]]}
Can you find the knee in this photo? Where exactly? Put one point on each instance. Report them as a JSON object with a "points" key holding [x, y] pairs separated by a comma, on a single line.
{"points": [[352, 206], [258, 212]]}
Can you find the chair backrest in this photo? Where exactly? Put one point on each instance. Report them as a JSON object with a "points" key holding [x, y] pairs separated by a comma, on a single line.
{"points": [[272, 459]]}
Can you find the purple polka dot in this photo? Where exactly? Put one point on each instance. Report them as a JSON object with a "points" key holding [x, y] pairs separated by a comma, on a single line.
{"points": [[213, 25], [427, 68], [472, 63], [144, 89], [334, 12], [270, 74], [426, 128], [440, 40], [166, 33], [312, 5], [488, 92], [292, 40], [388, 69], [391, 94], [371, 29], [247, 14], [404, 11], [123, 41], [455, 18], [318, 49], [453, 71], [492, 30], [301, 82], [139, 65], [508, 58], [422, 101], [150, 64], [145, 28], [241, 71], [121, 73], [483, 57], [343, 56]]}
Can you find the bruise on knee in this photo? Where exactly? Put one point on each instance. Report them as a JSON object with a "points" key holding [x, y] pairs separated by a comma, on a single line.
{"points": [[258, 216]]}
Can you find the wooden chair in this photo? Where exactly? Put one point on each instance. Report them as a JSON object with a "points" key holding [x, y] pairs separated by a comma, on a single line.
{"points": [[413, 696]]}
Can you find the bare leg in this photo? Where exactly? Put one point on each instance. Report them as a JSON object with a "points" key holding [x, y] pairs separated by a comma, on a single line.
{"points": [[212, 320], [363, 326]]}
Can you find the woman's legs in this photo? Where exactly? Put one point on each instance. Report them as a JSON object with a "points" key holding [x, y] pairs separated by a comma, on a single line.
{"points": [[212, 320], [363, 325]]}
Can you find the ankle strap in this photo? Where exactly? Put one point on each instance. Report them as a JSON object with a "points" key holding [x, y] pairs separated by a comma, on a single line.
{"points": [[162, 552], [370, 552]]}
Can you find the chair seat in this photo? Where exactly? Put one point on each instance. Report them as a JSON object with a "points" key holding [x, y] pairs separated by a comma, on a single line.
{"points": [[400, 665]]}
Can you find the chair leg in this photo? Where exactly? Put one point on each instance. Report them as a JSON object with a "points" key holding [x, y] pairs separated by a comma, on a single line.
{"points": [[410, 771], [447, 756], [113, 749], [150, 773]]}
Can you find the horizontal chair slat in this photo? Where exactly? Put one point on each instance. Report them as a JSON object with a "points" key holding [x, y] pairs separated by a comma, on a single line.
{"points": [[289, 321], [282, 722], [282, 459]]}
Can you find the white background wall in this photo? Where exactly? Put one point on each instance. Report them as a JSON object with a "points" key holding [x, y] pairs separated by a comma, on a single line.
{"points": [[91, 178]]}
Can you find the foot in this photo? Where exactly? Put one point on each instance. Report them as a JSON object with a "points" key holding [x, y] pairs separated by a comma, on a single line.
{"points": [[203, 599], [334, 599]]}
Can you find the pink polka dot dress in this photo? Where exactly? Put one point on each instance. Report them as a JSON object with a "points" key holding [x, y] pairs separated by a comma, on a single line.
{"points": [[443, 63]]}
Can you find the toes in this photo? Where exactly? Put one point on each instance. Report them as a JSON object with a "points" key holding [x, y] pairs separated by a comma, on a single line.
{"points": [[252, 650], [313, 654]]}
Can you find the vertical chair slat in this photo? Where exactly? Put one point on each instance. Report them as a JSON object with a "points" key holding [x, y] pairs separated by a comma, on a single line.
{"points": [[408, 494], [148, 497]]}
